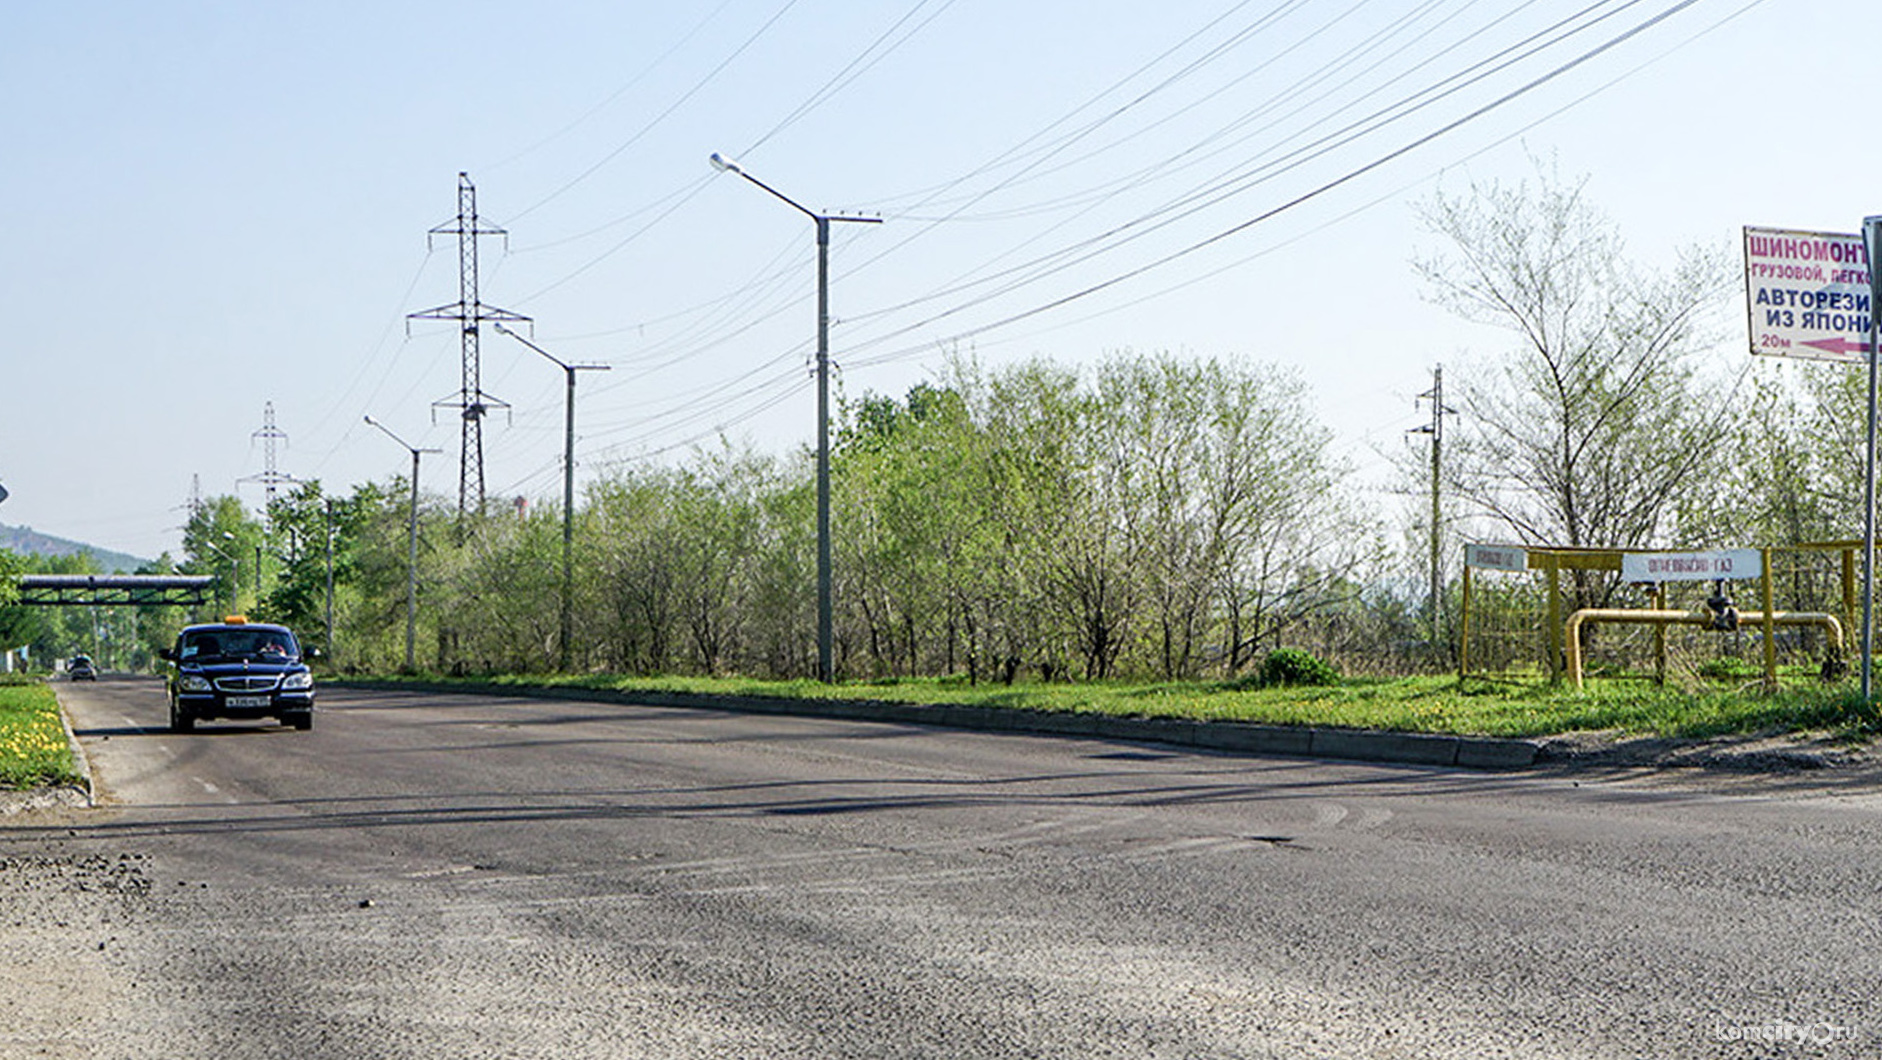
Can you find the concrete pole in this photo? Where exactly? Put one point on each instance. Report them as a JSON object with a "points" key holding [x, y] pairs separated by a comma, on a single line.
{"points": [[826, 662], [411, 574], [568, 526], [826, 655], [329, 643]]}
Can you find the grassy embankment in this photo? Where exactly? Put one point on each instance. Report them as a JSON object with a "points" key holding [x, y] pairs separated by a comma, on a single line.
{"points": [[33, 749], [1416, 704]]}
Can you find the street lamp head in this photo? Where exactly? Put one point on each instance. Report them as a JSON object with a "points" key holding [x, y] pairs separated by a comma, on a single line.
{"points": [[387, 431], [724, 164]]}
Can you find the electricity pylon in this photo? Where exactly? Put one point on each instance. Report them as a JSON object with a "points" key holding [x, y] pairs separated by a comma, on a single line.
{"points": [[470, 400]]}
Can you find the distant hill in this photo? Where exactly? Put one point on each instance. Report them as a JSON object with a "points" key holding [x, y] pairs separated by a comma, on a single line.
{"points": [[29, 542]]}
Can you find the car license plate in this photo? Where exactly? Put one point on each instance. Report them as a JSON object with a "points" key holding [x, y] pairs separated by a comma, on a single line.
{"points": [[248, 701]]}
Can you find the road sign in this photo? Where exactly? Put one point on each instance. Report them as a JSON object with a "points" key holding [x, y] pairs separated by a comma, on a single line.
{"points": [[1729, 564], [1807, 294]]}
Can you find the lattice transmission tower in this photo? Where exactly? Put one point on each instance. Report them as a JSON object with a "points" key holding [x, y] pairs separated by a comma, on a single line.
{"points": [[470, 400], [271, 475]]}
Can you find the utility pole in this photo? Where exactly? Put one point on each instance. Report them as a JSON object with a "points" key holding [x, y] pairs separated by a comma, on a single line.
{"points": [[568, 492], [411, 563], [1436, 430], [826, 660], [235, 572], [470, 400], [329, 524]]}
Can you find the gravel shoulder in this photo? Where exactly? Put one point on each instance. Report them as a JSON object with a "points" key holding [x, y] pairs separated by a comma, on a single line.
{"points": [[64, 988]]}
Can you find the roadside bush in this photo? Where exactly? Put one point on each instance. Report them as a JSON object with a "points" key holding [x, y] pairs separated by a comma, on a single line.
{"points": [[1291, 666]]}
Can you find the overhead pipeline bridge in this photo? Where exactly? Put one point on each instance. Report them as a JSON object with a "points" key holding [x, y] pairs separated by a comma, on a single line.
{"points": [[77, 590]]}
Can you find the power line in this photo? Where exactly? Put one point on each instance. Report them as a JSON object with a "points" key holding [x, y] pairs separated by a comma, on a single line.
{"points": [[662, 116], [1290, 204], [367, 363], [1117, 307], [1214, 193], [1215, 51], [855, 69], [861, 64], [612, 96], [1227, 186]]}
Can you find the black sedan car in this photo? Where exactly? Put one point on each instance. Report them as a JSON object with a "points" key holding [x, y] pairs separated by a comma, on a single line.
{"points": [[239, 669], [81, 669]]}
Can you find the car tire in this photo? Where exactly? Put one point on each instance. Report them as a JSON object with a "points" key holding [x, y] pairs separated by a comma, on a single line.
{"points": [[181, 720], [300, 719]]}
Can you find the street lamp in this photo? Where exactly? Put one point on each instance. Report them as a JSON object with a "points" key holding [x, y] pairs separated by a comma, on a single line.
{"points": [[235, 570], [568, 487], [411, 563], [329, 528], [825, 665]]}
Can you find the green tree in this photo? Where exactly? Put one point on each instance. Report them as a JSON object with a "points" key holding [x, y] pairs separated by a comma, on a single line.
{"points": [[905, 505], [222, 539], [505, 599]]}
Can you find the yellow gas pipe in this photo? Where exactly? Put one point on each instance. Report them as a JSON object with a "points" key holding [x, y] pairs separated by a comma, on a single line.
{"points": [[1572, 632]]}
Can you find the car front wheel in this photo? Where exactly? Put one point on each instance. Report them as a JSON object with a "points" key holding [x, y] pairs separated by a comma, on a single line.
{"points": [[180, 719]]}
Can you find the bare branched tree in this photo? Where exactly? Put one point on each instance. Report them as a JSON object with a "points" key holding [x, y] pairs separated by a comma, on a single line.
{"points": [[1586, 433]]}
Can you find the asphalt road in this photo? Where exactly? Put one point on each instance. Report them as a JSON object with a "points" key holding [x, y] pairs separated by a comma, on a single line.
{"points": [[455, 876]]}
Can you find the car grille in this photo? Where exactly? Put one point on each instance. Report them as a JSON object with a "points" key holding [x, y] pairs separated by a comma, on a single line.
{"points": [[257, 683]]}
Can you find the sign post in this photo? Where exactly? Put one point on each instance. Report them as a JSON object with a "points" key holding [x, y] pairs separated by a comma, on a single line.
{"points": [[1872, 244], [1813, 295]]}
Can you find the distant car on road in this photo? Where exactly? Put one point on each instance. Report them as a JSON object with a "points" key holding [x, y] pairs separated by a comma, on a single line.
{"points": [[238, 669], [81, 669]]}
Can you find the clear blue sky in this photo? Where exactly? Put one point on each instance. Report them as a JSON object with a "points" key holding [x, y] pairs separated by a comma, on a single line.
{"points": [[211, 206]]}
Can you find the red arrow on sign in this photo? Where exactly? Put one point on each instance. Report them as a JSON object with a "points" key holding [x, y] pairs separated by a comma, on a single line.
{"points": [[1838, 345]]}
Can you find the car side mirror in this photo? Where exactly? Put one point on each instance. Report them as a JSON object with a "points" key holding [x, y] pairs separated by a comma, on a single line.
{"points": [[167, 654]]}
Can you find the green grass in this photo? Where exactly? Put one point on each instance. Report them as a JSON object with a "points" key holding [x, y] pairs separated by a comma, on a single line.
{"points": [[1414, 704], [33, 749]]}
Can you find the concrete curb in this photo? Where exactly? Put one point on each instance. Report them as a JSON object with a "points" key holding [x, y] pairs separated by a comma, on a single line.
{"points": [[79, 757], [1467, 752]]}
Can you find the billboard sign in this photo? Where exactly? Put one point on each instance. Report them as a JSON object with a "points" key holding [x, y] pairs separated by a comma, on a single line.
{"points": [[1807, 294]]}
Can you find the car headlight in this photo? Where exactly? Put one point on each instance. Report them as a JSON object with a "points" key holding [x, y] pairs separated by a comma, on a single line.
{"points": [[297, 682], [193, 683]]}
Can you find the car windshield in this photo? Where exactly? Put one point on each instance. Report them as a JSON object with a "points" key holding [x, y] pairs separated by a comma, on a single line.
{"points": [[260, 644]]}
